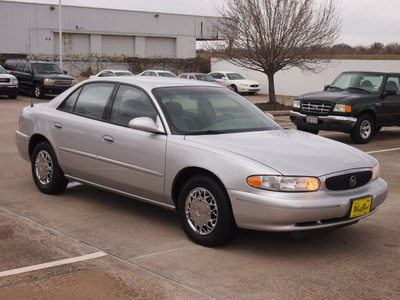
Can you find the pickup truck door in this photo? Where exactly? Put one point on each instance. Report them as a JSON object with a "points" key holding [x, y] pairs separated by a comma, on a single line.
{"points": [[388, 109]]}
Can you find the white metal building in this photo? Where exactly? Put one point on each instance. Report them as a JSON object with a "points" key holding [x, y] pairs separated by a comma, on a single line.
{"points": [[33, 28]]}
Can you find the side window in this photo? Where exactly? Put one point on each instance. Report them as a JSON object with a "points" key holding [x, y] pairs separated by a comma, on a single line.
{"points": [[183, 76], [106, 74], [191, 77], [20, 67], [153, 74], [213, 75], [393, 83], [69, 104], [92, 99], [28, 68], [131, 103]]}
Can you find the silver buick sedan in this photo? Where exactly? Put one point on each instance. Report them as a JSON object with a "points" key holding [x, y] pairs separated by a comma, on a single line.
{"points": [[200, 149]]}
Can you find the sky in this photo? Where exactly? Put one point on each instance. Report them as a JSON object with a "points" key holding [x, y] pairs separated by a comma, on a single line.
{"points": [[363, 21]]}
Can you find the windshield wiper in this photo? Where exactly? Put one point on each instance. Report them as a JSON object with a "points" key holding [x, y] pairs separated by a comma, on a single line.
{"points": [[206, 132], [335, 88], [358, 89]]}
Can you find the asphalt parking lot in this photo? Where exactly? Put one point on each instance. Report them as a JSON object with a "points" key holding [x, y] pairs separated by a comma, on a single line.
{"points": [[91, 244]]}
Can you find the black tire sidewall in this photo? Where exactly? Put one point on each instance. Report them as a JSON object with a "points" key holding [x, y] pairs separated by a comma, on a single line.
{"points": [[58, 183], [355, 133], [225, 227]]}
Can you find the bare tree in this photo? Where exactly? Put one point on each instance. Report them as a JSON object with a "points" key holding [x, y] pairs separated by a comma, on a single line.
{"points": [[273, 35]]}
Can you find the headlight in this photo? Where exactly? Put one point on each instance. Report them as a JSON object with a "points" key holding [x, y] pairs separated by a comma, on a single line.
{"points": [[14, 81], [49, 81], [285, 183], [343, 108], [74, 82], [244, 84], [376, 172], [296, 104]]}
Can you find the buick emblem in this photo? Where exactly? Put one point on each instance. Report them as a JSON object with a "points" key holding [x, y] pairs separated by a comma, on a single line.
{"points": [[353, 180]]}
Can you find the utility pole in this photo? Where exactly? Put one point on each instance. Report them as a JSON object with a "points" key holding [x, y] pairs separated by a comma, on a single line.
{"points": [[60, 35]]}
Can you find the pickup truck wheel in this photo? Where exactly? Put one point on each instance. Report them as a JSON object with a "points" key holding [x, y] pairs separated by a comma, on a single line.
{"points": [[46, 172], [205, 211], [38, 91], [314, 131], [363, 130]]}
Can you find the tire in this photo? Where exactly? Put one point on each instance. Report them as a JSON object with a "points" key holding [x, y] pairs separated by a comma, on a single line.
{"points": [[38, 92], [234, 88], [12, 96], [205, 212], [46, 171], [363, 130], [314, 131]]}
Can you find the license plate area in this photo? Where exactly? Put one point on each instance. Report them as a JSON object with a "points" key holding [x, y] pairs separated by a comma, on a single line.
{"points": [[360, 206], [312, 119]]}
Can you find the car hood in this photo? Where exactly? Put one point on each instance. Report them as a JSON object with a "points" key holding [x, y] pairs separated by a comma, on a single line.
{"points": [[326, 96], [290, 152], [55, 76]]}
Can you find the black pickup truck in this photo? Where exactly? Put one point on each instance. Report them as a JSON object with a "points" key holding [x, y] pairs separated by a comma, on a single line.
{"points": [[359, 103], [39, 78]]}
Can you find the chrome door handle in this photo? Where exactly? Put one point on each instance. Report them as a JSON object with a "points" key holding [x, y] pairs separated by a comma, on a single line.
{"points": [[108, 139], [57, 125]]}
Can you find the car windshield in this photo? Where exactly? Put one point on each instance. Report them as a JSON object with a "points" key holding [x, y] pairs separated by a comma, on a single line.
{"points": [[208, 110], [123, 74], [204, 77], [166, 74], [46, 68], [2, 70], [234, 76], [358, 82]]}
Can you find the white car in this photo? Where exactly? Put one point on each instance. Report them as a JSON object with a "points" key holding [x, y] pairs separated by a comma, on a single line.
{"points": [[112, 73], [160, 73], [238, 83]]}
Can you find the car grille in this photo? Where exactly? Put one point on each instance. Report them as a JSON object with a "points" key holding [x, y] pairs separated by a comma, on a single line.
{"points": [[316, 107], [348, 181], [5, 80], [63, 82], [254, 85]]}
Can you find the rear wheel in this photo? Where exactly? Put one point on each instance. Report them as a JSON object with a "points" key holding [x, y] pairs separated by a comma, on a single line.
{"points": [[205, 212], [46, 171], [363, 130], [38, 91]]}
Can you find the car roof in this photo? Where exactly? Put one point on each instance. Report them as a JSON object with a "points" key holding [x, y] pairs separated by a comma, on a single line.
{"points": [[193, 74]]}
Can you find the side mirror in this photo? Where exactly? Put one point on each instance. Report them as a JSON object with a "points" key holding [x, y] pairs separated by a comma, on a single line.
{"points": [[65, 72], [145, 124], [326, 87]]}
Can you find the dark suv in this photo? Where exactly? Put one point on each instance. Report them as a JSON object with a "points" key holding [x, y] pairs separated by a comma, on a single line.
{"points": [[39, 78], [359, 103]]}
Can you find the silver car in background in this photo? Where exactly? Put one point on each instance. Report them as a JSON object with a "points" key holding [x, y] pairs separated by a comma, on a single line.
{"points": [[200, 149]]}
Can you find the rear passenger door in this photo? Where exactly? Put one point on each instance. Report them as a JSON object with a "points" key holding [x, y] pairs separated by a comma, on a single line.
{"points": [[74, 129]]}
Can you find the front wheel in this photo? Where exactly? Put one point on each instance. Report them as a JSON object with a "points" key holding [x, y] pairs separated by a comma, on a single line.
{"points": [[46, 171], [363, 130], [205, 212]]}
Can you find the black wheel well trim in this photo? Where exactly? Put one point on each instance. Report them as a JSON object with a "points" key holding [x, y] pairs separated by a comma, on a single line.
{"points": [[184, 175], [35, 140], [369, 112]]}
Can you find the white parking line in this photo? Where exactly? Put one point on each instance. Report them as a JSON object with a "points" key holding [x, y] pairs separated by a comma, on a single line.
{"points": [[385, 150], [52, 264]]}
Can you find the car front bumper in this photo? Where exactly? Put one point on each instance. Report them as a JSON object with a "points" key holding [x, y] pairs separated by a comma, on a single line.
{"points": [[280, 211], [330, 123], [11, 90]]}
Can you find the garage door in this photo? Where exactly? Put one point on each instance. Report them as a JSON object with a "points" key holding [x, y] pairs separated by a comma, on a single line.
{"points": [[117, 45], [160, 47], [73, 43]]}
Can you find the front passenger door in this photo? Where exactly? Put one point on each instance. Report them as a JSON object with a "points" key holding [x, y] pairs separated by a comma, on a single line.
{"points": [[132, 161], [389, 108]]}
